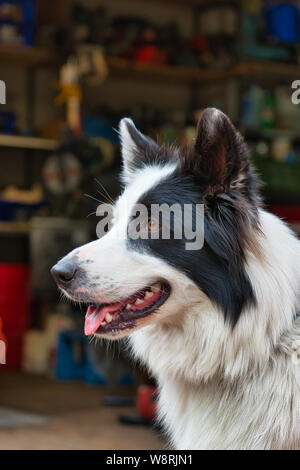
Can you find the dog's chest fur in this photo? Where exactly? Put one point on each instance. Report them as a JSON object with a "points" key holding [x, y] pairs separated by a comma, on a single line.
{"points": [[224, 416], [255, 411]]}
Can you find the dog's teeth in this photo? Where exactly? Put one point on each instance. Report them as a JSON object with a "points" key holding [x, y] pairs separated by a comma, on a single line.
{"points": [[138, 301], [148, 294], [128, 307], [108, 317], [156, 288]]}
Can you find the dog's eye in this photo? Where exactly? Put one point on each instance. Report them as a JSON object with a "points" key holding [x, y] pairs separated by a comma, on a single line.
{"points": [[153, 224]]}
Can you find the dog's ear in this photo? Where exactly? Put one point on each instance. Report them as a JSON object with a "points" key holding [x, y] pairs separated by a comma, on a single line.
{"points": [[137, 149], [220, 155]]}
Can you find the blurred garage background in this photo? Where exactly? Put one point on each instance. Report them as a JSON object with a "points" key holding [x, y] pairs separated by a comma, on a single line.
{"points": [[71, 70]]}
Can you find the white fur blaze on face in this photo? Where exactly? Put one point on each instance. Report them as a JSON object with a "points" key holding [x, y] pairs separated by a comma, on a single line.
{"points": [[114, 273]]}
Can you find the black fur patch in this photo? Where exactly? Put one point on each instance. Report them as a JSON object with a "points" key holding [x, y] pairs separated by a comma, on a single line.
{"points": [[217, 173], [218, 268]]}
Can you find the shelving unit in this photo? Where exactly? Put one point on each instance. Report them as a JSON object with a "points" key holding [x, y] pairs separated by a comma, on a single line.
{"points": [[14, 228], [38, 57], [30, 143], [195, 3], [27, 56], [165, 73], [192, 75], [260, 69], [31, 58]]}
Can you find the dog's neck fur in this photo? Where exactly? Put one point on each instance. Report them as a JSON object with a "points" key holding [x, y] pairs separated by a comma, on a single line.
{"points": [[234, 388]]}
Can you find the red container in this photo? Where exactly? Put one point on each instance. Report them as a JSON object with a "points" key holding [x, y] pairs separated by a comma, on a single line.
{"points": [[14, 310], [15, 318], [14, 298], [14, 282], [13, 354]]}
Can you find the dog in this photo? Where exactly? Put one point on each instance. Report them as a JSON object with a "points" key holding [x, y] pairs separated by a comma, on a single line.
{"points": [[217, 326]]}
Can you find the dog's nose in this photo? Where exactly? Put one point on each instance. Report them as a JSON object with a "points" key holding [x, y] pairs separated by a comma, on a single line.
{"points": [[64, 272]]}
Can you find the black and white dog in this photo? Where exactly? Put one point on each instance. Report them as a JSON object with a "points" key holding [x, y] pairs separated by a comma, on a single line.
{"points": [[217, 326]]}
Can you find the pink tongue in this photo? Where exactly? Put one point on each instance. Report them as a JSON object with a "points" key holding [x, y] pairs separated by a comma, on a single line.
{"points": [[95, 316]]}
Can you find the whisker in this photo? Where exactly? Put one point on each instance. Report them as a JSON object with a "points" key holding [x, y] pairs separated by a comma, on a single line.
{"points": [[106, 192], [106, 199], [94, 198], [91, 213]]}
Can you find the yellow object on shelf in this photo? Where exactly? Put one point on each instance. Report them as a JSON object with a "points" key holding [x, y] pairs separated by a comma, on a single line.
{"points": [[70, 93], [30, 196]]}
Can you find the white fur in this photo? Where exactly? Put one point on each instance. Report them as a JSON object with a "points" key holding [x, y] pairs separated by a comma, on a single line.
{"points": [[234, 389], [220, 388]]}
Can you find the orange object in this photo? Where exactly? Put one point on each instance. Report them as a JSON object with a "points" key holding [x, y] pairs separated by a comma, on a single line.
{"points": [[146, 401]]}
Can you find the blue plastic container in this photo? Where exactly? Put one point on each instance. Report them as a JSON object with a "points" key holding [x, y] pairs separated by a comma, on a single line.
{"points": [[75, 362], [71, 358], [283, 22], [26, 26]]}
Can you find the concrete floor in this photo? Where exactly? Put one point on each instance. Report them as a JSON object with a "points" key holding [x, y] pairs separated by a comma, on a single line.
{"points": [[77, 419]]}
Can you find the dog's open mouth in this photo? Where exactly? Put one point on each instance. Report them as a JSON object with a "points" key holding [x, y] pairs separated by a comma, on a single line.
{"points": [[107, 318]]}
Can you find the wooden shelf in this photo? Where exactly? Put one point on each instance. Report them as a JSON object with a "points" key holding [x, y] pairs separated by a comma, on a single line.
{"points": [[190, 75], [266, 69], [38, 56], [27, 56], [35, 143], [14, 228], [172, 74], [195, 3]]}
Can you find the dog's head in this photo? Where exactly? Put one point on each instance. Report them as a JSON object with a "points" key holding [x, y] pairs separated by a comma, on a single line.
{"points": [[135, 275]]}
